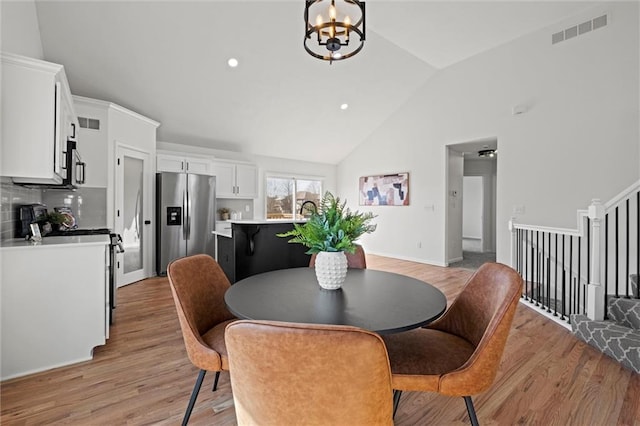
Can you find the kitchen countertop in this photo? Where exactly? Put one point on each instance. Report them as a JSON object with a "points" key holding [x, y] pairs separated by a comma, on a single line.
{"points": [[223, 227], [79, 240]]}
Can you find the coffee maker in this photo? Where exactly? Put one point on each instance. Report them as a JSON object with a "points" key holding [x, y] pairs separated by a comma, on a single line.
{"points": [[28, 214]]}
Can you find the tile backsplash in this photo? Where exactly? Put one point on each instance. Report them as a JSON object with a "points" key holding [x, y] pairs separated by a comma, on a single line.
{"points": [[89, 205], [245, 207], [11, 197]]}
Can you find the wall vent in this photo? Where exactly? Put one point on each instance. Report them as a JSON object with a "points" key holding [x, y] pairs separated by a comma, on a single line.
{"points": [[579, 29], [89, 123]]}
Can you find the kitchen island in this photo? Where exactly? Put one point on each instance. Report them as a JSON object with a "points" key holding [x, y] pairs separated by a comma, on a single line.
{"points": [[250, 247], [55, 302]]}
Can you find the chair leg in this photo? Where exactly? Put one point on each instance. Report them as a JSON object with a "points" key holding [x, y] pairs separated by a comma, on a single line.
{"points": [[215, 382], [471, 411], [194, 396], [396, 400]]}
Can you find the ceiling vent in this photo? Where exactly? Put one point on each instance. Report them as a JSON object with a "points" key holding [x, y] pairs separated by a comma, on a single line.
{"points": [[89, 123], [579, 29]]}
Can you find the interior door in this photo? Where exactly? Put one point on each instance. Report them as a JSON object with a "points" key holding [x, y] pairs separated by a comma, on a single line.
{"points": [[133, 214]]}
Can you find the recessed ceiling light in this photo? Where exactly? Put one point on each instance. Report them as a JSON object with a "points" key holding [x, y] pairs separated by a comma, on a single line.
{"points": [[233, 62], [344, 106]]}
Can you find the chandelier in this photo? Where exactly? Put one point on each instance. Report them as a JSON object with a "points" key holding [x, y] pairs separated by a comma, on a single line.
{"points": [[338, 30]]}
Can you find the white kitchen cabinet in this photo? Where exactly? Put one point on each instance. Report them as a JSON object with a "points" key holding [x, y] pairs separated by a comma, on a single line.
{"points": [[178, 164], [235, 180], [38, 118], [54, 302]]}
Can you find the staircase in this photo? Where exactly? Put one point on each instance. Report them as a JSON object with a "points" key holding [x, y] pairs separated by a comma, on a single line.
{"points": [[573, 275], [576, 271]]}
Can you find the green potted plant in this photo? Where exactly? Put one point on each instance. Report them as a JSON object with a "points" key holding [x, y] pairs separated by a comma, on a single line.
{"points": [[330, 231], [59, 220]]}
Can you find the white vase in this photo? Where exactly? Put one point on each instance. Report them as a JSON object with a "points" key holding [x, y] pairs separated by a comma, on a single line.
{"points": [[331, 269]]}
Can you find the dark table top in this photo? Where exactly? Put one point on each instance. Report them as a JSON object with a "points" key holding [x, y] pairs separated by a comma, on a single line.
{"points": [[378, 301]]}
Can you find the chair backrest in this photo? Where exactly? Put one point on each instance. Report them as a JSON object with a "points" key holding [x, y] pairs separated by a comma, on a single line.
{"points": [[198, 285], [355, 260], [289, 373], [482, 314]]}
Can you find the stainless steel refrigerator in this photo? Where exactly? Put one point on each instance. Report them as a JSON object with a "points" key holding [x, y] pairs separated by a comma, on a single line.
{"points": [[186, 216]]}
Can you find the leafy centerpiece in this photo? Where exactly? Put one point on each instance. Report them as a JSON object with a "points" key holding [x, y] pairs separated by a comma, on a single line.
{"points": [[331, 231]]}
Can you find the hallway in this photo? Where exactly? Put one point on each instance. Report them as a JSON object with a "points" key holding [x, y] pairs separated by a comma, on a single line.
{"points": [[472, 260]]}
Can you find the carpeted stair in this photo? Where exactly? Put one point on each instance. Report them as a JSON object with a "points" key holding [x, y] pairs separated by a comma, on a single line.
{"points": [[618, 336]]}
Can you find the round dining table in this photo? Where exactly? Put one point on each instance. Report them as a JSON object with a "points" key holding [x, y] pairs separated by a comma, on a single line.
{"points": [[378, 301]]}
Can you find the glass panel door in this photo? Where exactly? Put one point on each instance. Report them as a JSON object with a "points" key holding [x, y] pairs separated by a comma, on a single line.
{"points": [[133, 211], [132, 214]]}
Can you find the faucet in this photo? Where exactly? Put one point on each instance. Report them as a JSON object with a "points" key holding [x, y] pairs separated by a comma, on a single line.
{"points": [[302, 207]]}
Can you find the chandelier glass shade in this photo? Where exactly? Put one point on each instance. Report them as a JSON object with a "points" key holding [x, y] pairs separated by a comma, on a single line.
{"points": [[334, 29]]}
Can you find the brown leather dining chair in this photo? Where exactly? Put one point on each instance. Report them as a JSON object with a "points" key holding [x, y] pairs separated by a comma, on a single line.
{"points": [[198, 285], [312, 374], [459, 354], [355, 260]]}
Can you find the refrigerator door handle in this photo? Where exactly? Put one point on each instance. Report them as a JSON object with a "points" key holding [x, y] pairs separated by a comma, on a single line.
{"points": [[188, 222], [185, 216]]}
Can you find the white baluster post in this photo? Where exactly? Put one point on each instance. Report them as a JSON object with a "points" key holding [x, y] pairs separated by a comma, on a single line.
{"points": [[514, 243], [595, 292]]}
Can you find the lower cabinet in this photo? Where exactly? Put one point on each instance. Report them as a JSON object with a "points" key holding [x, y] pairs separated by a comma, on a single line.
{"points": [[255, 248], [226, 257], [54, 305]]}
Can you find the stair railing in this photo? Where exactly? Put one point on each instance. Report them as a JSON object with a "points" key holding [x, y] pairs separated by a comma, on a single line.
{"points": [[567, 271]]}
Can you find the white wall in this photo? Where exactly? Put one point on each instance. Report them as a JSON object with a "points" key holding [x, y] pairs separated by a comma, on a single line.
{"points": [[19, 31], [454, 219], [472, 194], [578, 139], [487, 169], [93, 145]]}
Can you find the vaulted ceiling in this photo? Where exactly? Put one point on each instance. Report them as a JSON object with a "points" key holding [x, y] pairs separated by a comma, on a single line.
{"points": [[168, 60]]}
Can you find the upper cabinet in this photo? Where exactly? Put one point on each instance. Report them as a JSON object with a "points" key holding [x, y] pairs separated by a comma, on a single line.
{"points": [[235, 180], [181, 164], [38, 118]]}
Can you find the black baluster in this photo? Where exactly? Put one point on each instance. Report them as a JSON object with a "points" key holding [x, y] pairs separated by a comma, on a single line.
{"points": [[638, 242], [538, 262], [549, 278], [579, 272], [555, 280], [564, 282], [570, 305], [525, 253], [617, 248], [606, 258], [588, 250], [532, 266], [628, 296], [549, 269], [542, 275]]}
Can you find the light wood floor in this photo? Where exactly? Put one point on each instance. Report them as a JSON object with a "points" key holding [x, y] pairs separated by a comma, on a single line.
{"points": [[142, 375]]}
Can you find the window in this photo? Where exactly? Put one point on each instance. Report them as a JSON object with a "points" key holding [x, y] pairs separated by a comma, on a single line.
{"points": [[286, 196]]}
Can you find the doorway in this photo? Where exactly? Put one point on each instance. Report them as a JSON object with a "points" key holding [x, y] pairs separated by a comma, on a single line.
{"points": [[471, 206], [133, 213]]}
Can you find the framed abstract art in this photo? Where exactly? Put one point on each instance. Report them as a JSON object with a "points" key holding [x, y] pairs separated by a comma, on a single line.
{"points": [[384, 190]]}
